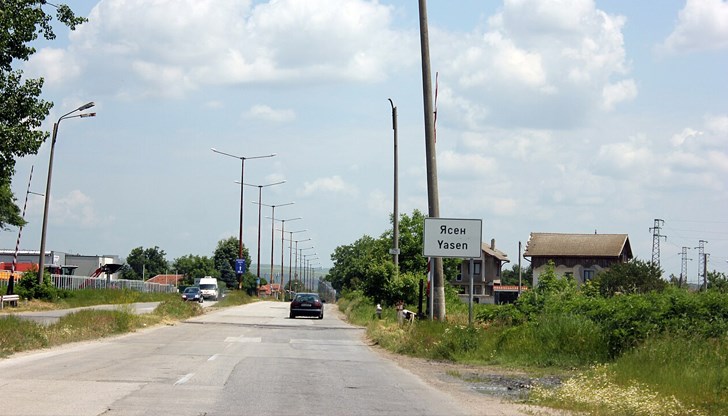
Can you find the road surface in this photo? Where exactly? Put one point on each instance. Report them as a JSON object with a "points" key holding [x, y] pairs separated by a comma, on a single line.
{"points": [[247, 360]]}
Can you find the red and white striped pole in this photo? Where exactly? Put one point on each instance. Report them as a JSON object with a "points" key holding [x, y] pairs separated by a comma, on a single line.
{"points": [[20, 229]]}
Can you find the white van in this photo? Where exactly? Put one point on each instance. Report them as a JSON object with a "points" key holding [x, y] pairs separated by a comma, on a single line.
{"points": [[209, 288]]}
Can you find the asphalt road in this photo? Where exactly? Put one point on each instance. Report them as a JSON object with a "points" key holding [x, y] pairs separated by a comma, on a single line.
{"points": [[248, 360]]}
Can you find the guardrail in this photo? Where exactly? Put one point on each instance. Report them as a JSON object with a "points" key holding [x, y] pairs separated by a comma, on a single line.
{"points": [[68, 282]]}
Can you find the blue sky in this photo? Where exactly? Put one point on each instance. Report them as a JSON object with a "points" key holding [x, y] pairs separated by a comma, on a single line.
{"points": [[553, 116]]}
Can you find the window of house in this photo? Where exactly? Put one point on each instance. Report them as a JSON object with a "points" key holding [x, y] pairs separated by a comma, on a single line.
{"points": [[461, 289], [588, 274], [476, 268], [459, 277]]}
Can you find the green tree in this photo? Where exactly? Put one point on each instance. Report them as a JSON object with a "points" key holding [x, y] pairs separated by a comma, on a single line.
{"points": [[351, 262], [635, 276], [145, 263], [411, 260], [718, 281], [510, 277], [195, 267], [226, 253], [21, 109], [9, 212]]}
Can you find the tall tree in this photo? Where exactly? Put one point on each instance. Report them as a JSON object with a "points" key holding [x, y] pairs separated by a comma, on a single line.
{"points": [[21, 109], [226, 253], [145, 263], [195, 267], [635, 276], [510, 277], [9, 212]]}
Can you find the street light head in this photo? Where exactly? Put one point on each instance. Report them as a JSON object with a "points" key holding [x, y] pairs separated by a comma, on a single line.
{"points": [[84, 115], [86, 106]]}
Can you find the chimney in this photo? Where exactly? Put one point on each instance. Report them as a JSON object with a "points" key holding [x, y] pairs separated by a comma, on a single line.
{"points": [[492, 243]]}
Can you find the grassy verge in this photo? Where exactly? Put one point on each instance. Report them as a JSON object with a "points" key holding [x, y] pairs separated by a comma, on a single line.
{"points": [[90, 297], [18, 335], [667, 375]]}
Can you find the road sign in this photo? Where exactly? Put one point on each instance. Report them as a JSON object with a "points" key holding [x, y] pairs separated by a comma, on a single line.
{"points": [[452, 237], [240, 266]]}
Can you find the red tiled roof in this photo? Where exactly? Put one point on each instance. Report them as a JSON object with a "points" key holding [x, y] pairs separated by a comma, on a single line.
{"points": [[166, 279]]}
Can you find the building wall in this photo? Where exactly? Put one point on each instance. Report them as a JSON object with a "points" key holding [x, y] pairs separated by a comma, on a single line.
{"points": [[577, 271], [86, 264]]}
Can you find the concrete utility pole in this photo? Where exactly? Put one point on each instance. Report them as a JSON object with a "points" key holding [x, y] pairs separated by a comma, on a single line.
{"points": [[395, 224], [433, 198]]}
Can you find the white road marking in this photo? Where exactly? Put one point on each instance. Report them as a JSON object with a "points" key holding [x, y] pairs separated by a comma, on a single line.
{"points": [[243, 339], [184, 379]]}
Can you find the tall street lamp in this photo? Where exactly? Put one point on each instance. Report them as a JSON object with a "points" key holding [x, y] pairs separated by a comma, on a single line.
{"points": [[299, 264], [41, 259], [291, 255], [242, 179], [272, 233], [283, 276], [308, 270], [304, 266], [395, 237], [260, 206]]}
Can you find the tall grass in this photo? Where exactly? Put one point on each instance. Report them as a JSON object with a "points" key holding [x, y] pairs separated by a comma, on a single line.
{"points": [[663, 375], [557, 340], [693, 369]]}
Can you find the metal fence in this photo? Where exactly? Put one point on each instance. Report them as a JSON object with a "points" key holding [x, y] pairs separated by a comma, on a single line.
{"points": [[68, 282]]}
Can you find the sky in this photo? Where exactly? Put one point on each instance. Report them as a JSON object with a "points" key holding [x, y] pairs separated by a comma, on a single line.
{"points": [[563, 116]]}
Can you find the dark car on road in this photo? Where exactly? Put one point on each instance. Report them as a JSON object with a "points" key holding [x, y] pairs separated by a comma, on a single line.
{"points": [[192, 293], [307, 304]]}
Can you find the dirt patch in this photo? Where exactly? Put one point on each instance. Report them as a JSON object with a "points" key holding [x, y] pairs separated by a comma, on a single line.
{"points": [[481, 390]]}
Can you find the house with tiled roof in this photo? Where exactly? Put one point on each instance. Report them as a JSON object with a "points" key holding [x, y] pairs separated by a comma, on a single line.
{"points": [[271, 289], [167, 279], [486, 274], [580, 256]]}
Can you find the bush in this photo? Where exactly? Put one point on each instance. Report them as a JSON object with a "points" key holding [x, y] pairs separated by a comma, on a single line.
{"points": [[29, 288]]}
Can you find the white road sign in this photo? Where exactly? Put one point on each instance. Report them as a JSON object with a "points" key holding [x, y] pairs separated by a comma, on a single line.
{"points": [[452, 237]]}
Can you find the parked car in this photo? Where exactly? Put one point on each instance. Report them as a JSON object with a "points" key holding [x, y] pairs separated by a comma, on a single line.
{"points": [[307, 304], [192, 293]]}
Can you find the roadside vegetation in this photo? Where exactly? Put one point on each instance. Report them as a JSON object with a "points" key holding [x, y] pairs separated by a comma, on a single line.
{"points": [[17, 335], [647, 348], [627, 343]]}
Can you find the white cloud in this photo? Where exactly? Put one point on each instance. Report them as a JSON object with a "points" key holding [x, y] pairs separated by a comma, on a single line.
{"points": [[687, 133], [54, 65], [379, 204], [538, 64], [264, 112], [717, 124], [333, 184], [701, 25], [147, 51], [613, 94], [473, 165], [75, 208]]}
